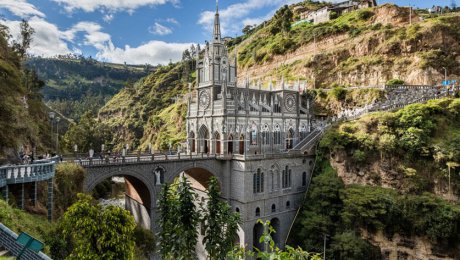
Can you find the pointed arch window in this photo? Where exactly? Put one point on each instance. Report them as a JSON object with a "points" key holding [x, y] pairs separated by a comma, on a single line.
{"points": [[265, 135], [286, 178], [277, 135], [304, 179], [258, 181]]}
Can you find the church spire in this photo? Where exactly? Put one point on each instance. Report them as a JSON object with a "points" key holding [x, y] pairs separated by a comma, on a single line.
{"points": [[217, 35]]}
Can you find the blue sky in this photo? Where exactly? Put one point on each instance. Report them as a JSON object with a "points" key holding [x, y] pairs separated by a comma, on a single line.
{"points": [[137, 31]]}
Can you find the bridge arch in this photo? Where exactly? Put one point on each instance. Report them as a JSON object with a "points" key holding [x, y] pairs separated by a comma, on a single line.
{"points": [[140, 192], [201, 172]]}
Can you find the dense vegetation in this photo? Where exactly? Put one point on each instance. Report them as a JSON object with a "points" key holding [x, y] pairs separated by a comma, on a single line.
{"points": [[21, 221], [74, 85], [180, 217], [417, 142], [414, 148], [152, 110], [23, 119], [89, 231], [343, 212]]}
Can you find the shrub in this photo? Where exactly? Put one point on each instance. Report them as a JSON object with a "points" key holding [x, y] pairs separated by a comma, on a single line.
{"points": [[395, 82], [339, 93], [365, 15], [359, 156]]}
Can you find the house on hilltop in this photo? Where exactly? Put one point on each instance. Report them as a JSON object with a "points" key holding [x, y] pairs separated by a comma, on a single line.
{"points": [[329, 12]]}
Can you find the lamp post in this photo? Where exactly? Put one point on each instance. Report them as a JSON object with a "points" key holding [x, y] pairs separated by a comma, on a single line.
{"points": [[51, 116], [57, 134]]}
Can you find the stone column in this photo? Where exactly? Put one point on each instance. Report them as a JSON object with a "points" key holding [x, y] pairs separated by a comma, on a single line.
{"points": [[50, 199]]}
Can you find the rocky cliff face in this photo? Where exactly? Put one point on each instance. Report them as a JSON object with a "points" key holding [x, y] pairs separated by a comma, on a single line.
{"points": [[384, 47]]}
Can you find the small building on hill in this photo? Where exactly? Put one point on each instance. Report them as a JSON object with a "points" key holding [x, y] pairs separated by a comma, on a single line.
{"points": [[326, 13]]}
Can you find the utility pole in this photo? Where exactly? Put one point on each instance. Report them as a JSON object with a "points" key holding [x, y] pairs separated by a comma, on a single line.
{"points": [[324, 246]]}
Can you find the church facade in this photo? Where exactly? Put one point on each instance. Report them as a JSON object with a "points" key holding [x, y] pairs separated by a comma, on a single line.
{"points": [[255, 130]]}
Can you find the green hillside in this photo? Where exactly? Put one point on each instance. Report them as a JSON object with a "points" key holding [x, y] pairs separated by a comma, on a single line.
{"points": [[23, 119], [74, 85], [389, 175], [138, 114], [364, 47]]}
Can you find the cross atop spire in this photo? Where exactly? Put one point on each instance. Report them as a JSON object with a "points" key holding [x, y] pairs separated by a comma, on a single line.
{"points": [[217, 35]]}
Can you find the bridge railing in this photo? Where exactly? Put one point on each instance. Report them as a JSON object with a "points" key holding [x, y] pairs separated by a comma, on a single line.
{"points": [[141, 158], [26, 173]]}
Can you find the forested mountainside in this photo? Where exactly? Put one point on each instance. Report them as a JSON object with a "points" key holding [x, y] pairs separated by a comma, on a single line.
{"points": [[23, 117], [150, 111], [391, 178], [365, 47], [74, 85]]}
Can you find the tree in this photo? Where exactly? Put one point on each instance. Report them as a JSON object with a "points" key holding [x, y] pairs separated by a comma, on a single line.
{"points": [[185, 221], [348, 245], [26, 39], [165, 222], [387, 143], [273, 252], [453, 5], [97, 232], [449, 166], [220, 223], [247, 29], [87, 134]]}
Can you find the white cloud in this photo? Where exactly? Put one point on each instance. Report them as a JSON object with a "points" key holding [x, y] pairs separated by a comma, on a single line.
{"points": [[236, 16], [21, 8], [172, 20], [112, 5], [153, 52], [92, 34], [159, 29], [47, 41], [108, 18]]}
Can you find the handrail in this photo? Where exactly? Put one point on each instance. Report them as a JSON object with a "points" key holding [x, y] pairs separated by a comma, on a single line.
{"points": [[26, 173]]}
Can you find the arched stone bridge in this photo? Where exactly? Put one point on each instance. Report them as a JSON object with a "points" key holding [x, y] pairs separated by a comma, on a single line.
{"points": [[146, 174]]}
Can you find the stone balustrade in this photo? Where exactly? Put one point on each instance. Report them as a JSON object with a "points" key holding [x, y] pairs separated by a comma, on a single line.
{"points": [[26, 173]]}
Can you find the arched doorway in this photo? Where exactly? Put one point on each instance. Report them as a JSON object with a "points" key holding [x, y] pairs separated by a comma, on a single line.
{"points": [[242, 144], [290, 139], [230, 144], [217, 137], [191, 140], [275, 223], [257, 232], [203, 138]]}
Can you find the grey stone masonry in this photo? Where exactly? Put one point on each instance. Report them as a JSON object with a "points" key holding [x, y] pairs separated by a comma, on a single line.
{"points": [[8, 241]]}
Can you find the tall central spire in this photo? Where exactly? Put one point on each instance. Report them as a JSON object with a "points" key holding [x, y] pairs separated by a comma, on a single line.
{"points": [[217, 35]]}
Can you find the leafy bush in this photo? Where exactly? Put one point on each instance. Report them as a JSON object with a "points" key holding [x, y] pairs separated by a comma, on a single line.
{"points": [[365, 15], [395, 82], [68, 183], [359, 156], [339, 93]]}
